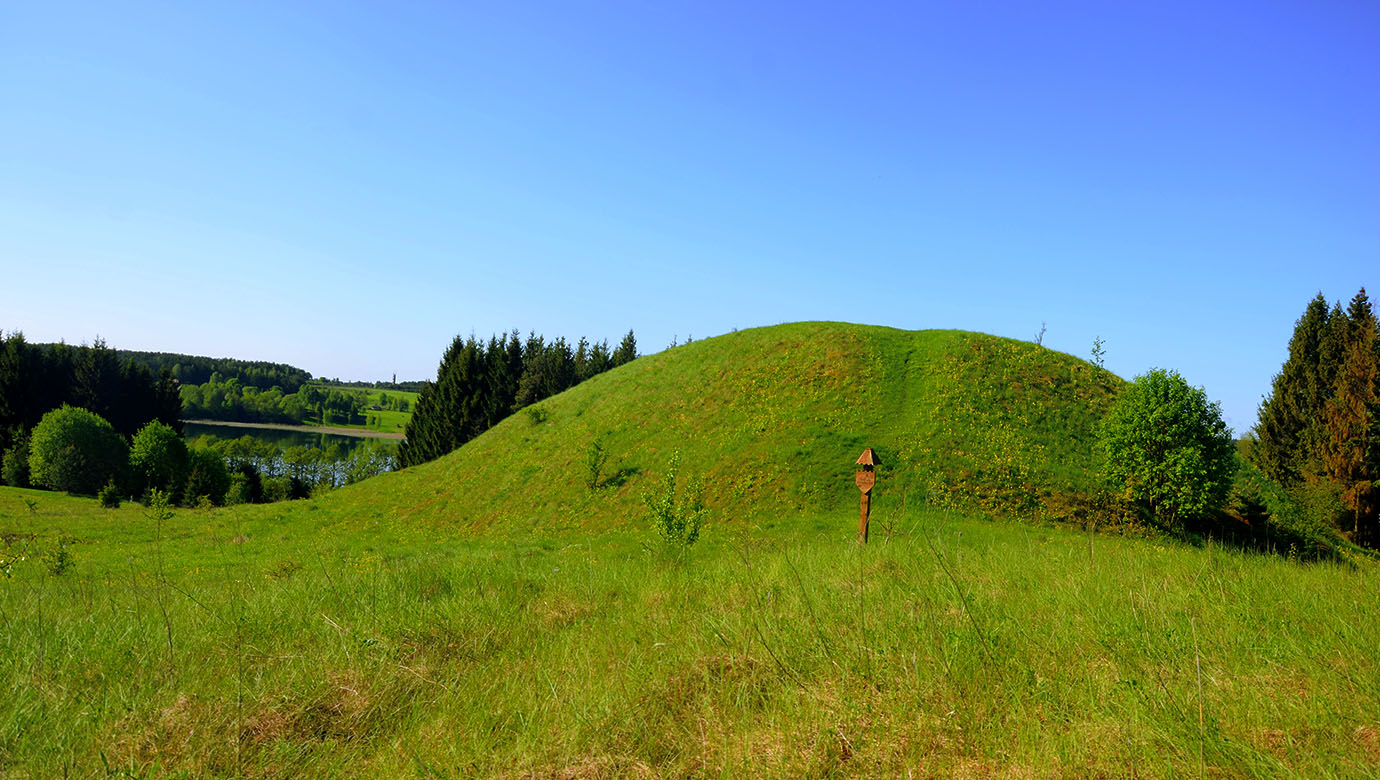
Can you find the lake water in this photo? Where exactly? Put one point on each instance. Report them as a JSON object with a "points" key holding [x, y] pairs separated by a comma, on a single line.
{"points": [[278, 436]]}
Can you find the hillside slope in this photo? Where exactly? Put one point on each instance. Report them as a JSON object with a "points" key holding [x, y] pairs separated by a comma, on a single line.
{"points": [[773, 418]]}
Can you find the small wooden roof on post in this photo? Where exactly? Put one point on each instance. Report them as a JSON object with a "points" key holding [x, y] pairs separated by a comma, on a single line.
{"points": [[869, 458]]}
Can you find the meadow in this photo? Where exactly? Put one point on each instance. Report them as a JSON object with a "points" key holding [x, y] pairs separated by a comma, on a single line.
{"points": [[287, 641], [506, 611]]}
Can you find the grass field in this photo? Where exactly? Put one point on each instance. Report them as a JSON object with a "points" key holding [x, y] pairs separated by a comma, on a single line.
{"points": [[283, 642], [489, 614], [383, 420]]}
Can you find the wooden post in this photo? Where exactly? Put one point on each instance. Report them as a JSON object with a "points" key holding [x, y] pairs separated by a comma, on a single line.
{"points": [[864, 511], [866, 480]]}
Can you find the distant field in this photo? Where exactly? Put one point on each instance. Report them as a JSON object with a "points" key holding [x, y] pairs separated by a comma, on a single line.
{"points": [[386, 420], [290, 641]]}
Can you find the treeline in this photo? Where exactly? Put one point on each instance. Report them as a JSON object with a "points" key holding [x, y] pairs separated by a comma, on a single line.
{"points": [[479, 383], [406, 387], [36, 379], [195, 370], [1318, 436], [230, 400]]}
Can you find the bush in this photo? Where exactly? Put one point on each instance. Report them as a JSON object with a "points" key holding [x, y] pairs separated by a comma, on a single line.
{"points": [[1166, 449], [14, 469], [594, 464], [276, 489], [58, 558], [109, 496], [677, 519], [75, 450], [207, 477], [158, 458]]}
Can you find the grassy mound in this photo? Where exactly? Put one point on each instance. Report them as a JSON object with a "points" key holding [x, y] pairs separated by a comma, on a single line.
{"points": [[413, 626], [772, 419]]}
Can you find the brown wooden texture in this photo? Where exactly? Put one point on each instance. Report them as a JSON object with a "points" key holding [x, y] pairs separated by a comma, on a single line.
{"points": [[865, 480], [864, 510]]}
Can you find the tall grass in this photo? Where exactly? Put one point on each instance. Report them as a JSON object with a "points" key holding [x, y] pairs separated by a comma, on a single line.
{"points": [[953, 647]]}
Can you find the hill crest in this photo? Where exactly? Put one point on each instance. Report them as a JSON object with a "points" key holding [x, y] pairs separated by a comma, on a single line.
{"points": [[773, 419]]}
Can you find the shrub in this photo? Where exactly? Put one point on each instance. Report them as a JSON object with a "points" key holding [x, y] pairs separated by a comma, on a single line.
{"points": [[277, 489], [75, 450], [677, 518], [109, 496], [207, 477], [1166, 449], [59, 559], [14, 469], [594, 464], [158, 458]]}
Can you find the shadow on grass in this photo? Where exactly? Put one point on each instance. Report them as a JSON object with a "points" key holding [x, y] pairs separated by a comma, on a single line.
{"points": [[620, 477]]}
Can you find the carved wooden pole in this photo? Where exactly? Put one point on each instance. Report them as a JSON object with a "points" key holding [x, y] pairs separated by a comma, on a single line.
{"points": [[866, 479]]}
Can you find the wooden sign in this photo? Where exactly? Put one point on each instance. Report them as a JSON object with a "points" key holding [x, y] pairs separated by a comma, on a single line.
{"points": [[866, 480]]}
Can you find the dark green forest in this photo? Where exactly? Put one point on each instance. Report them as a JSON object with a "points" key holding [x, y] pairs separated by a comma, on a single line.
{"points": [[195, 370], [37, 378], [1318, 437], [479, 383]]}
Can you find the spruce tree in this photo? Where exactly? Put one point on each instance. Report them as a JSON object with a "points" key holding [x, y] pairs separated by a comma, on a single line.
{"points": [[1289, 416], [627, 350], [1351, 452]]}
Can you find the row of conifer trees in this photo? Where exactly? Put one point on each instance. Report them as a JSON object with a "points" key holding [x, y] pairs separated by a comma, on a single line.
{"points": [[479, 383], [1319, 430]]}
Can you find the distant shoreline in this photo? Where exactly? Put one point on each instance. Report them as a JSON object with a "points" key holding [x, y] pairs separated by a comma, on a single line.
{"points": [[358, 433]]}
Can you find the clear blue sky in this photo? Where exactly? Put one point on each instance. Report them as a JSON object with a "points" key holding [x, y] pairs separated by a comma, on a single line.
{"points": [[345, 187]]}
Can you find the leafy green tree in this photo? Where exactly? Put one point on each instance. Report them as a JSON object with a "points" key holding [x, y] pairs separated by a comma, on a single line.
{"points": [[207, 477], [75, 450], [1165, 448], [677, 515], [14, 468], [158, 458]]}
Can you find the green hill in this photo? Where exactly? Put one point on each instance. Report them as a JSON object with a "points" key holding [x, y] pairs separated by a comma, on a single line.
{"points": [[413, 626], [773, 419]]}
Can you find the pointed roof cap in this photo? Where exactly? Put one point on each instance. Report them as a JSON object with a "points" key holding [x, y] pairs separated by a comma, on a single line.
{"points": [[869, 458]]}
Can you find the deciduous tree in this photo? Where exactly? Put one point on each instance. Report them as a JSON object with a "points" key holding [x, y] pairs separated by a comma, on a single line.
{"points": [[75, 450], [1166, 448]]}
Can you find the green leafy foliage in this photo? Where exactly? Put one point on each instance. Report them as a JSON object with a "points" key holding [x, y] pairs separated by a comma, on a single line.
{"points": [[1166, 448], [595, 459], [58, 558], [109, 496], [14, 468], [207, 478], [676, 515], [75, 450], [38, 378], [158, 458]]}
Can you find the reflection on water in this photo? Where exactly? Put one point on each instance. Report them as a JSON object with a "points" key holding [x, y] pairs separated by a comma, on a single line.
{"points": [[277, 436]]}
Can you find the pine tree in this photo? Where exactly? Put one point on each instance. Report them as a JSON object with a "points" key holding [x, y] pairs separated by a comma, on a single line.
{"points": [[627, 350], [1288, 430], [1351, 453], [443, 417]]}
